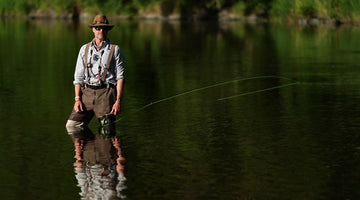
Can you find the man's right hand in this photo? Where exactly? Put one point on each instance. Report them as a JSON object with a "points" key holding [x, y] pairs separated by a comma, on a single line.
{"points": [[78, 106]]}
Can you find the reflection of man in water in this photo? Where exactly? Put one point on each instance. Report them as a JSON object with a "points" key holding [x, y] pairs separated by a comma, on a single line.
{"points": [[99, 164]]}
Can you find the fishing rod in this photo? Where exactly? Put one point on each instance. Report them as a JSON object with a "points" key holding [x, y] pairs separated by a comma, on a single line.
{"points": [[216, 85]]}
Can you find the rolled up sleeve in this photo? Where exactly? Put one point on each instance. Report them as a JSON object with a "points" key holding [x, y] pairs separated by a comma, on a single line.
{"points": [[119, 63], [79, 75]]}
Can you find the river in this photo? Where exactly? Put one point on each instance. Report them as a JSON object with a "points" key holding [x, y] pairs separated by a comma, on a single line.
{"points": [[210, 111]]}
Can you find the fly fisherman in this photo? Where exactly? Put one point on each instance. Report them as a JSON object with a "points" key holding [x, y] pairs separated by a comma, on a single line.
{"points": [[98, 78]]}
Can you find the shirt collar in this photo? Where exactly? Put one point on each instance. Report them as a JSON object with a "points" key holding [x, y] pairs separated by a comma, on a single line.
{"points": [[103, 44]]}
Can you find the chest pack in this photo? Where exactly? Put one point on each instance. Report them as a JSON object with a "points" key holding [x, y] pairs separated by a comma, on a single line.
{"points": [[103, 75]]}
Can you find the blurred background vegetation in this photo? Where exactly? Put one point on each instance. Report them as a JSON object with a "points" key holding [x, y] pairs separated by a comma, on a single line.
{"points": [[338, 10]]}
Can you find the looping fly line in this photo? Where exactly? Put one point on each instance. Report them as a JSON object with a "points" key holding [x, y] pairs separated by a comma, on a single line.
{"points": [[220, 84]]}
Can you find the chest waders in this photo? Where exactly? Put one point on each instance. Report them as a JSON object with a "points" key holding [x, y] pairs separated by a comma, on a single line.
{"points": [[104, 120]]}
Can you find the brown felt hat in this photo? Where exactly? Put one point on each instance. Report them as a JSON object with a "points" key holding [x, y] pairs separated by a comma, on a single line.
{"points": [[101, 20]]}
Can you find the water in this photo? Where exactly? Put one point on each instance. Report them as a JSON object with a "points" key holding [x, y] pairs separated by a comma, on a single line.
{"points": [[298, 141]]}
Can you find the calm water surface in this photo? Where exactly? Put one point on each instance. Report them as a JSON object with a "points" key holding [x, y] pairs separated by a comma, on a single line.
{"points": [[290, 131]]}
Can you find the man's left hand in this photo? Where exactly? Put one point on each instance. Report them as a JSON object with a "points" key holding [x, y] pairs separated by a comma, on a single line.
{"points": [[116, 108]]}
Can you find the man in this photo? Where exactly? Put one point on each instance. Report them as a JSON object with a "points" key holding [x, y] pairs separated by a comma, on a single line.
{"points": [[98, 78]]}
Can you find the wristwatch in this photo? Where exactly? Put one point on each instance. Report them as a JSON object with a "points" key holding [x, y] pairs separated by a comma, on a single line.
{"points": [[118, 100]]}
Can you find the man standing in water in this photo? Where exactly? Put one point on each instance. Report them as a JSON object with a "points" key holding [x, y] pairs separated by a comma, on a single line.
{"points": [[98, 78]]}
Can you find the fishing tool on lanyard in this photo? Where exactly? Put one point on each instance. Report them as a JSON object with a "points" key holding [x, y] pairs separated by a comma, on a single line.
{"points": [[99, 68]]}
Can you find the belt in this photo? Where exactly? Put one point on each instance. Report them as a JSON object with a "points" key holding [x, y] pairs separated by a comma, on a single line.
{"points": [[96, 87]]}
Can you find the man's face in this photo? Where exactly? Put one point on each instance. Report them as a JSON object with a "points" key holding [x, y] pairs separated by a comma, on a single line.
{"points": [[100, 33]]}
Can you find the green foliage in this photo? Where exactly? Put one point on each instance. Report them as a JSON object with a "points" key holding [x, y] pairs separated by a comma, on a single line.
{"points": [[276, 8], [307, 8], [21, 6], [6, 6], [347, 8], [335, 9], [215, 4], [282, 8], [257, 6], [120, 7], [239, 8]]}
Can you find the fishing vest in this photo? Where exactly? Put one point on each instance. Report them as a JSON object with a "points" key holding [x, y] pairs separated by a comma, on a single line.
{"points": [[103, 75]]}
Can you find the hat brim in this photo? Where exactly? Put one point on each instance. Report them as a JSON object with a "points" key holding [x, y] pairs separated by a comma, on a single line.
{"points": [[109, 26]]}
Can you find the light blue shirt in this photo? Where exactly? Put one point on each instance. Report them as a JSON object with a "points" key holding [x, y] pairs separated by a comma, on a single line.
{"points": [[98, 60]]}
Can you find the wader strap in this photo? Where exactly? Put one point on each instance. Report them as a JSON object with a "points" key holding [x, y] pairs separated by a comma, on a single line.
{"points": [[86, 60], [103, 75]]}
